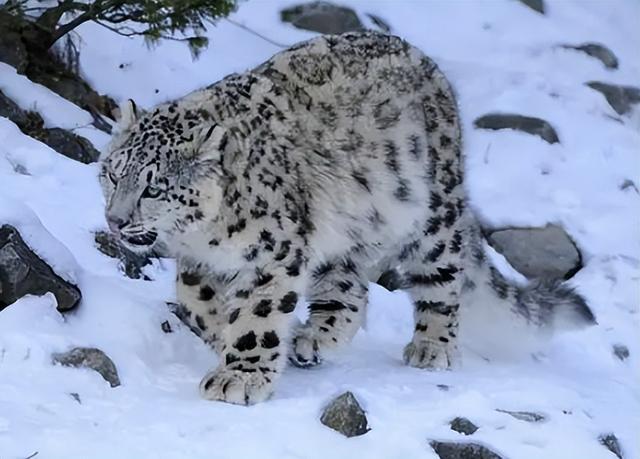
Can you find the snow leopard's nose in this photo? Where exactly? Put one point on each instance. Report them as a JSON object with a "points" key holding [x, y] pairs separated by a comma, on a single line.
{"points": [[116, 223]]}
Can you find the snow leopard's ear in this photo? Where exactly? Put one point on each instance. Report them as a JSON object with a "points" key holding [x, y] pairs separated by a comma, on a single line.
{"points": [[127, 114]]}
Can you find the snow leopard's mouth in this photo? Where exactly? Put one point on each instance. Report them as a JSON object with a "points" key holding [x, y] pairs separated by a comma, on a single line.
{"points": [[141, 240]]}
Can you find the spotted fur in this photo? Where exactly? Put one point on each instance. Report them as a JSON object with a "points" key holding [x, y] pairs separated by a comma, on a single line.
{"points": [[335, 161]]}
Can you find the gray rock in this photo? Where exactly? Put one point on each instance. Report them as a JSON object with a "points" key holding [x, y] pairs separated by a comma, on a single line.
{"points": [[12, 49], [526, 416], [9, 109], [621, 351], [131, 263], [22, 273], [621, 98], [453, 450], [610, 441], [538, 253], [463, 426], [536, 5], [345, 415], [528, 124], [166, 327], [322, 17], [71, 145], [379, 22], [87, 357], [598, 51], [629, 184]]}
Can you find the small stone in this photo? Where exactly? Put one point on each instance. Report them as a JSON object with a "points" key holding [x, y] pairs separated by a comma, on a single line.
{"points": [[536, 5], [130, 262], [621, 98], [443, 387], [610, 441], [629, 184], [526, 416], [463, 426], [95, 359], [322, 17], [621, 351], [453, 450], [528, 124], [22, 273], [166, 327], [598, 51], [345, 415], [76, 397], [538, 253]]}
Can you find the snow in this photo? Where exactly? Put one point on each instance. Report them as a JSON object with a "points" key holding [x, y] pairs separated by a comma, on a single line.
{"points": [[500, 57]]}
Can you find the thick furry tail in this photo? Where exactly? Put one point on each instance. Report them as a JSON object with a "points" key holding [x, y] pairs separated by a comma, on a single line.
{"points": [[516, 314]]}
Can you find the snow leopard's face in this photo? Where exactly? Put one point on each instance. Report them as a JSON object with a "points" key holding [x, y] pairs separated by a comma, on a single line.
{"points": [[155, 172]]}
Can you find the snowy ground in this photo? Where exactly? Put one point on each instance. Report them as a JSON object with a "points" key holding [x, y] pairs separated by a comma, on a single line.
{"points": [[500, 56]]}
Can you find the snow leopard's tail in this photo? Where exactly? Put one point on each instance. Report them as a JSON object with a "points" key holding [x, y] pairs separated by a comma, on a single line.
{"points": [[526, 312]]}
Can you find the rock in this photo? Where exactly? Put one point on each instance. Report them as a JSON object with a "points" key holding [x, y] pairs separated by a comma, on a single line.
{"points": [[621, 98], [526, 416], [131, 263], [345, 415], [166, 327], [621, 351], [71, 145], [12, 50], [22, 273], [463, 426], [629, 184], [528, 124], [453, 450], [536, 5], [9, 109], [76, 397], [322, 17], [379, 22], [538, 253], [600, 52], [88, 357], [610, 441]]}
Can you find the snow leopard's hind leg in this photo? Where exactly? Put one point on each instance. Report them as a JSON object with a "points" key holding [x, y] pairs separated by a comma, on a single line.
{"points": [[337, 297], [432, 274]]}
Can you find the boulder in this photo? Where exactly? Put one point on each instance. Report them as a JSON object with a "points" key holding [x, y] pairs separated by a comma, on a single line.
{"points": [[526, 416], [621, 98], [70, 145], [22, 273], [610, 441], [131, 263], [322, 17], [538, 253], [454, 450], [528, 124], [598, 51], [535, 5], [87, 357], [345, 415], [463, 426]]}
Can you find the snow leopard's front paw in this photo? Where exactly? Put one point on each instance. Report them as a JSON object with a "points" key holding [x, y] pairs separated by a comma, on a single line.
{"points": [[430, 354], [236, 386], [305, 351]]}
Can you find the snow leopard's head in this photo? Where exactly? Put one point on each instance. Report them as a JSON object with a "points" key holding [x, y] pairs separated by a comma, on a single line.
{"points": [[160, 177]]}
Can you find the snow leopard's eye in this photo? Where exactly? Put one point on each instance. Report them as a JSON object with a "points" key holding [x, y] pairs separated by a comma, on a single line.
{"points": [[152, 192]]}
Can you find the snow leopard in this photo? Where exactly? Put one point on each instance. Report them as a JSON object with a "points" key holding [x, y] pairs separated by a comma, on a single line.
{"points": [[336, 160]]}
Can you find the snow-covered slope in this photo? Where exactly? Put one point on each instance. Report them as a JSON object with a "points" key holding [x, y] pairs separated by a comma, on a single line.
{"points": [[500, 56]]}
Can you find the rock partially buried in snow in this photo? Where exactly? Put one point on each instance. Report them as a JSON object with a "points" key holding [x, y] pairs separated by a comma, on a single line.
{"points": [[130, 262], [463, 426], [621, 351], [538, 253], [322, 17], [528, 124], [86, 357], [345, 415], [453, 450], [598, 51], [621, 98], [527, 416], [22, 273], [536, 5], [610, 441]]}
